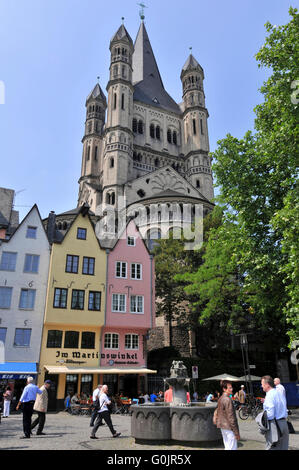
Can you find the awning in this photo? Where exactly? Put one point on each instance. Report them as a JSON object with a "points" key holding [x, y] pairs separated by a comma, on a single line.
{"points": [[97, 370], [17, 370]]}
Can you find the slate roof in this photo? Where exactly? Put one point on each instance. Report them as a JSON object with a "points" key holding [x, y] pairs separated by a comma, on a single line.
{"points": [[97, 92], [120, 34], [191, 63], [147, 81]]}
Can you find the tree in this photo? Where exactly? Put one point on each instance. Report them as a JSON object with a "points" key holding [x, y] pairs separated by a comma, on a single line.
{"points": [[249, 265]]}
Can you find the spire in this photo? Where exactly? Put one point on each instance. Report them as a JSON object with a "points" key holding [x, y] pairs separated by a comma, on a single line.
{"points": [[121, 35], [147, 80], [191, 64], [96, 93]]}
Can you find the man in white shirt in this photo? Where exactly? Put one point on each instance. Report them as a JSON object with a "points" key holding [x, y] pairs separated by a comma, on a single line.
{"points": [[280, 388], [104, 413], [95, 402], [275, 406]]}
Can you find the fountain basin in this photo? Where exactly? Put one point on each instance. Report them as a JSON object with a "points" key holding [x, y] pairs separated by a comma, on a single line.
{"points": [[160, 422]]}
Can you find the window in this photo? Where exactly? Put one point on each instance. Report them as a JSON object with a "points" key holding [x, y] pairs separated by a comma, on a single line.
{"points": [[22, 337], [31, 232], [31, 263], [169, 136], [3, 332], [136, 271], [134, 125], [111, 341], [201, 127], [118, 303], [136, 304], [140, 127], [197, 183], [78, 299], [8, 261], [94, 300], [194, 126], [131, 341], [81, 233], [96, 153], [120, 269], [131, 241], [114, 101], [60, 298], [88, 265], [174, 137], [122, 101], [158, 133], [72, 262], [152, 131], [54, 339], [27, 299], [111, 162], [71, 339], [88, 340], [5, 297]]}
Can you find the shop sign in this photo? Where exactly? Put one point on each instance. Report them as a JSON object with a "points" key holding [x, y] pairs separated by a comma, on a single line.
{"points": [[16, 376], [77, 355], [114, 359]]}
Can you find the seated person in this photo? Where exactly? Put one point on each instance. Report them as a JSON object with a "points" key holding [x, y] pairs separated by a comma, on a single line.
{"points": [[209, 398], [154, 397]]}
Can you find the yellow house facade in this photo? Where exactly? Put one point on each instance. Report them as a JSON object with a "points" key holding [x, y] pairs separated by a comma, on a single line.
{"points": [[74, 313]]}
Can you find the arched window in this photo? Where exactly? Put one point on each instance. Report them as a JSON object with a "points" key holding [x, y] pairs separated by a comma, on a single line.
{"points": [[156, 162], [134, 125], [122, 101], [111, 162], [114, 100], [194, 126], [201, 127], [134, 156], [152, 131], [96, 153], [112, 199], [140, 127], [108, 198], [139, 157], [64, 227], [197, 183], [88, 153], [174, 138], [158, 133], [169, 136]]}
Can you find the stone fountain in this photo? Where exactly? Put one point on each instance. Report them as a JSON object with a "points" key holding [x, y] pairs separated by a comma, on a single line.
{"points": [[176, 421]]}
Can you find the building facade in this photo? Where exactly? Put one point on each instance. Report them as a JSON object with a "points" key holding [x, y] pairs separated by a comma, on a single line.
{"points": [[140, 146], [24, 265]]}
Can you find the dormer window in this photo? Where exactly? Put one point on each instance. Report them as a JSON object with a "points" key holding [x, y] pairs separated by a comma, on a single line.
{"points": [[155, 100]]}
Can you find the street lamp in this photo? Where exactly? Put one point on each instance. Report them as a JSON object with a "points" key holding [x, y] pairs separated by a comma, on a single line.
{"points": [[246, 366]]}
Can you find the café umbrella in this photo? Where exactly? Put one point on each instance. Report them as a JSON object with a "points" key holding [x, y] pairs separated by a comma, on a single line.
{"points": [[224, 376], [253, 378]]}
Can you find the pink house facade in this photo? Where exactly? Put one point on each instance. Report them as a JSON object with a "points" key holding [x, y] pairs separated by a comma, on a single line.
{"points": [[129, 313]]}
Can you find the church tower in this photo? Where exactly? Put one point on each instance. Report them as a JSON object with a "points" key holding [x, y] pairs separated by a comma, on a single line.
{"points": [[195, 117], [118, 152], [92, 141]]}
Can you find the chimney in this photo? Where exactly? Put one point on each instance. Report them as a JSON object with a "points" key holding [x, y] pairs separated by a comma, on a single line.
{"points": [[51, 226]]}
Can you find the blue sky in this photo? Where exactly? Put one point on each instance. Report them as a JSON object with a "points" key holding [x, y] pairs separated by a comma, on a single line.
{"points": [[51, 52]]}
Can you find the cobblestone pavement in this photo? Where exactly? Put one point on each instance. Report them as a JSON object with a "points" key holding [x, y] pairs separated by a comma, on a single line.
{"points": [[66, 432]]}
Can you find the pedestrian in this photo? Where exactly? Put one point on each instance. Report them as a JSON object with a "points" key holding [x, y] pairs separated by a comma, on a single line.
{"points": [[276, 410], [195, 396], [41, 407], [96, 402], [104, 413], [7, 397], [168, 395], [209, 398], [280, 388], [154, 397], [27, 400], [242, 395], [225, 418]]}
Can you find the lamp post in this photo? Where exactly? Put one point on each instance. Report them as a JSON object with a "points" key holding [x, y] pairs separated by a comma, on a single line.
{"points": [[244, 349]]}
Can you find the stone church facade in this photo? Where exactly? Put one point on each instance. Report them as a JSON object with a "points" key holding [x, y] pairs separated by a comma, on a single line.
{"points": [[140, 146]]}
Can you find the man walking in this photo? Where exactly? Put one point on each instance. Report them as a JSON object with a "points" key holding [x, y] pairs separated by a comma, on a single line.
{"points": [[96, 402], [275, 407], [104, 413], [41, 407], [226, 419], [27, 400]]}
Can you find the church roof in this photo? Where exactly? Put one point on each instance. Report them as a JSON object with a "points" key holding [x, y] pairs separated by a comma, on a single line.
{"points": [[97, 92], [147, 81], [191, 64], [121, 34]]}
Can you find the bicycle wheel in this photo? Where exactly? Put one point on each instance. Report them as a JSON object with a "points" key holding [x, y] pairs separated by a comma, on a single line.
{"points": [[244, 412]]}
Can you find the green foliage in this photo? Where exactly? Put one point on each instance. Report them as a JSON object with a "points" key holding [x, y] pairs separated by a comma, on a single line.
{"points": [[249, 275]]}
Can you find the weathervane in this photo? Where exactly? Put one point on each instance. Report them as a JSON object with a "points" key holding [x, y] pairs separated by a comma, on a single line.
{"points": [[141, 12]]}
